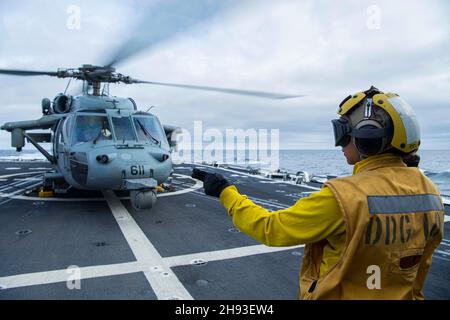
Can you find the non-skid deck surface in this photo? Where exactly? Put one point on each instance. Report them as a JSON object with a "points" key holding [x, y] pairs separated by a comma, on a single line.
{"points": [[185, 247]]}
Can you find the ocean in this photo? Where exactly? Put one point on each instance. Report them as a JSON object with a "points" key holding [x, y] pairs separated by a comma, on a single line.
{"points": [[434, 163]]}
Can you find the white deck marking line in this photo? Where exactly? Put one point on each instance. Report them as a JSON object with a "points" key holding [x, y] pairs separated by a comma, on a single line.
{"points": [[198, 184], [19, 174], [267, 182], [27, 198], [226, 254], [443, 252], [27, 187], [8, 184], [55, 276], [132, 267], [14, 184], [48, 277], [441, 258], [164, 282]]}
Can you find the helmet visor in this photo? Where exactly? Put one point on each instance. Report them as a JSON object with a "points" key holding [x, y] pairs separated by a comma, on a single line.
{"points": [[341, 129]]}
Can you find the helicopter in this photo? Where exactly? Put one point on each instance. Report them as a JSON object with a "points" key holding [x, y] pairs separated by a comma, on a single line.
{"points": [[100, 141]]}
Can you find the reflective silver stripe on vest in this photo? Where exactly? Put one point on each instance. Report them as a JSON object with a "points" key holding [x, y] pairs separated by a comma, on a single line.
{"points": [[404, 204]]}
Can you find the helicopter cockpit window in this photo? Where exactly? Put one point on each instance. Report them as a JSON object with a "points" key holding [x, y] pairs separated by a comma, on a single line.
{"points": [[91, 128], [148, 128], [123, 128]]}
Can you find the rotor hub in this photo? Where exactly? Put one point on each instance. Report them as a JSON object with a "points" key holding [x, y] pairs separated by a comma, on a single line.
{"points": [[94, 74]]}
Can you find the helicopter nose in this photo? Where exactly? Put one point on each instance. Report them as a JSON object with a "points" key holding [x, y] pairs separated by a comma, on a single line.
{"points": [[110, 168]]}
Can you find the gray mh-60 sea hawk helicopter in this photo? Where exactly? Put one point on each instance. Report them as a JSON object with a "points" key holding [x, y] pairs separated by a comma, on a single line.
{"points": [[101, 141]]}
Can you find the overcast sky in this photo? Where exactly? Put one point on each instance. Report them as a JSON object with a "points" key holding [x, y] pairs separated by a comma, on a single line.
{"points": [[323, 49]]}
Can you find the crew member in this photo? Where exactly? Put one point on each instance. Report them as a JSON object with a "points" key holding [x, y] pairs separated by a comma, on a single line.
{"points": [[367, 236]]}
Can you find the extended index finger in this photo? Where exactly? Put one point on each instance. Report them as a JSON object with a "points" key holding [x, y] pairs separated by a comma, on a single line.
{"points": [[198, 174]]}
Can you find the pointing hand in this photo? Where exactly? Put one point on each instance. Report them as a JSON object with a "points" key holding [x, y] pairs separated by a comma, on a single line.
{"points": [[214, 183]]}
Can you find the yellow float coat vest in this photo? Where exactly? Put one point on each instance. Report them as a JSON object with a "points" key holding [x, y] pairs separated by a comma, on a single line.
{"points": [[394, 220]]}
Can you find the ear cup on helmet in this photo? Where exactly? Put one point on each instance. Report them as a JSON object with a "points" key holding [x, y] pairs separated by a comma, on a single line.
{"points": [[372, 135], [369, 146], [372, 144]]}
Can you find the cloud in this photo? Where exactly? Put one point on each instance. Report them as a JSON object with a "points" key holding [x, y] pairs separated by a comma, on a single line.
{"points": [[323, 49]]}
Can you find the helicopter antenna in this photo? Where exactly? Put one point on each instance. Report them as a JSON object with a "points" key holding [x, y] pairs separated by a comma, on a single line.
{"points": [[68, 84], [149, 108]]}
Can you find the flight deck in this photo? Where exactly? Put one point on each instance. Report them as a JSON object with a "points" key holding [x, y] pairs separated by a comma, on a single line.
{"points": [[95, 245]]}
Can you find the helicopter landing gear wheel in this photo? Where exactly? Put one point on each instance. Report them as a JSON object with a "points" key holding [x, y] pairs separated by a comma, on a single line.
{"points": [[143, 199]]}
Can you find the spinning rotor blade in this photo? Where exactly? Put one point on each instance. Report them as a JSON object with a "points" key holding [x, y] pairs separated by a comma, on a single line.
{"points": [[28, 73], [261, 94], [163, 21]]}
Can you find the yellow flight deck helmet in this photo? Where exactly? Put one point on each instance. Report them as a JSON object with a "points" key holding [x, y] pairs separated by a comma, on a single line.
{"points": [[377, 122]]}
